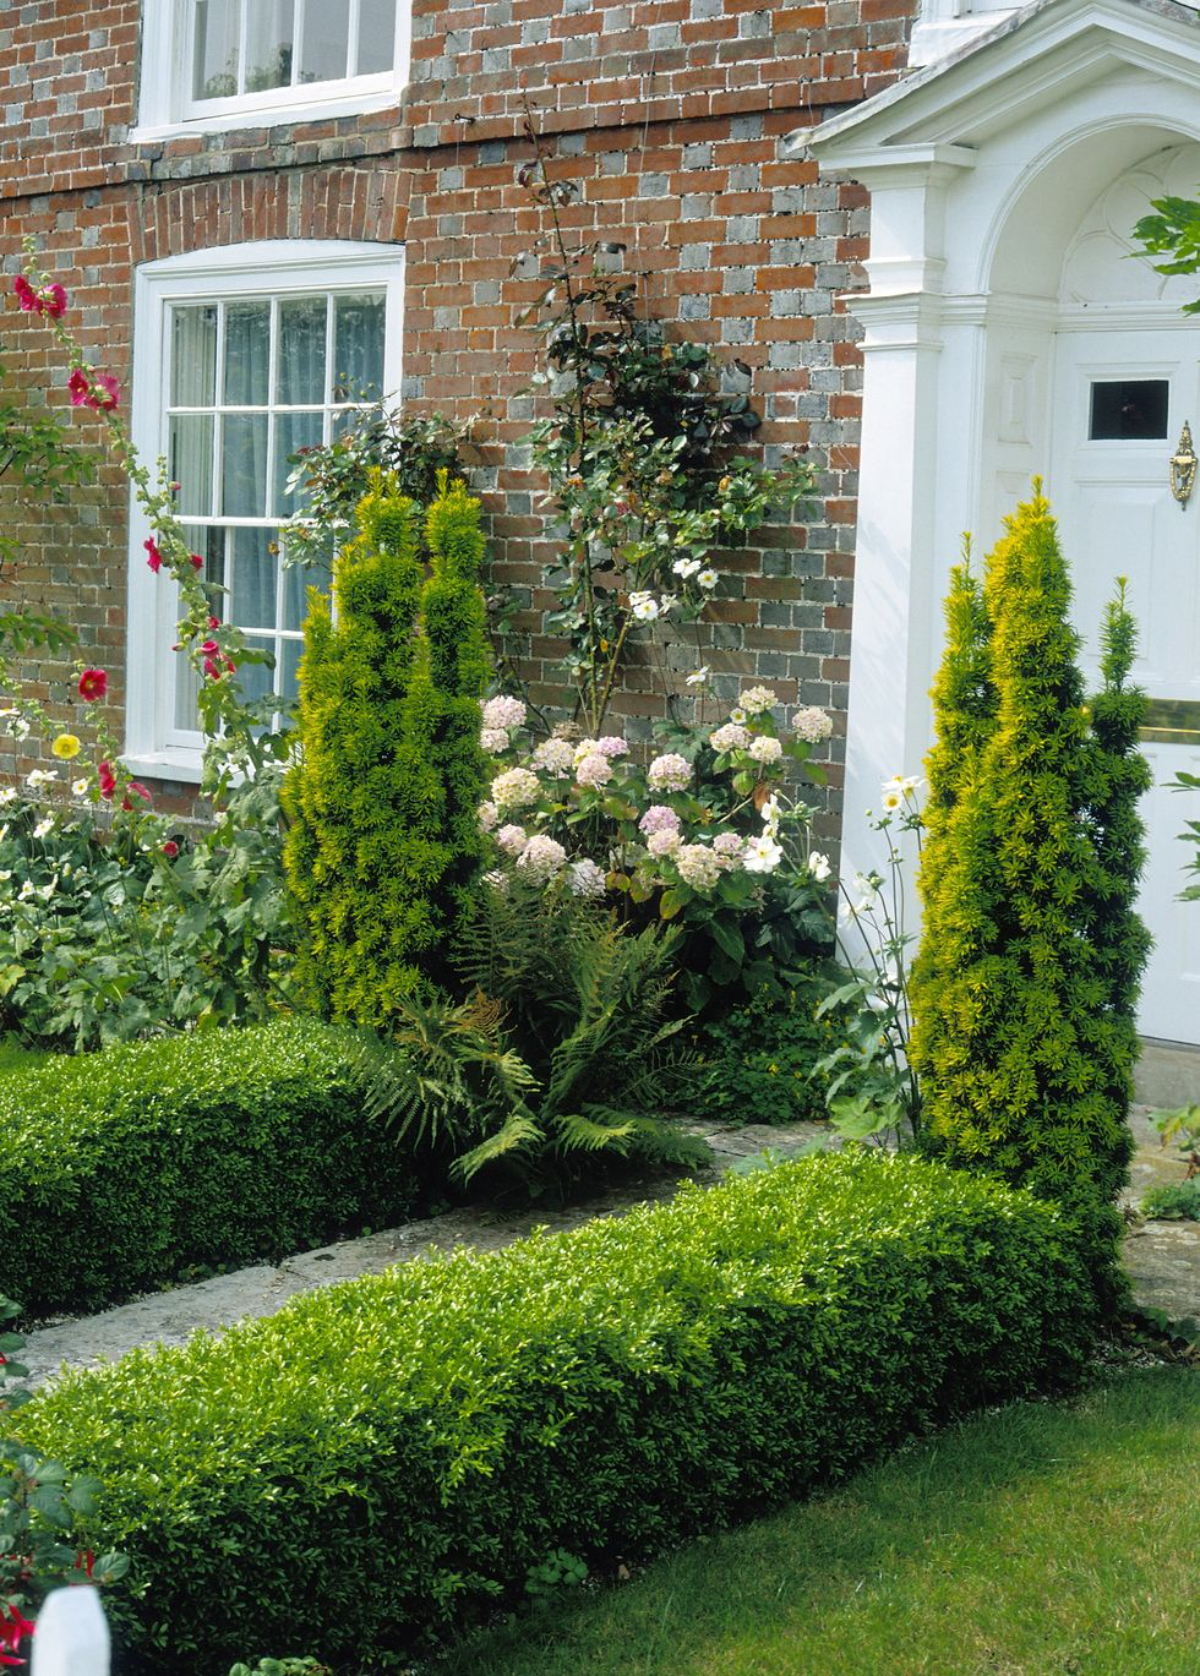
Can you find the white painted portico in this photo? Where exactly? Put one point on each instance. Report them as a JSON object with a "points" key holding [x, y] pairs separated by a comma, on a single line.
{"points": [[1005, 178]]}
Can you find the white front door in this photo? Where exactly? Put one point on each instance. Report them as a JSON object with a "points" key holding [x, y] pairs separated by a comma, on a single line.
{"points": [[1123, 393]]}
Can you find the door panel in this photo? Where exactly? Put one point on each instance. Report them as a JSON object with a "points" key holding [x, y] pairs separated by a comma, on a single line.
{"points": [[1118, 518]]}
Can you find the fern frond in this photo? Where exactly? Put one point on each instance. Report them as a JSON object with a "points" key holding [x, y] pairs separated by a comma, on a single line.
{"points": [[518, 1131]]}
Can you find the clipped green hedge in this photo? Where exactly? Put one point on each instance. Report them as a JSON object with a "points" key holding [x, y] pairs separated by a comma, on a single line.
{"points": [[381, 1462], [119, 1170]]}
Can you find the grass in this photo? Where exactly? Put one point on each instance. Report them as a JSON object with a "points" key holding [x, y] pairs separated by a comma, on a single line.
{"points": [[1042, 1540], [13, 1056]]}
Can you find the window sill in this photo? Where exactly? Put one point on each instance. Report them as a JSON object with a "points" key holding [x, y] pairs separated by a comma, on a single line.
{"points": [[316, 110], [184, 767]]}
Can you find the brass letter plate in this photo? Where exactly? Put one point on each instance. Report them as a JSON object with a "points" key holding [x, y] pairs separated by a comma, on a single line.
{"points": [[1172, 721]]}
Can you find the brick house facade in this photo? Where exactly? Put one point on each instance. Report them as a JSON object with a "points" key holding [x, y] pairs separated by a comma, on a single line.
{"points": [[910, 218], [674, 117]]}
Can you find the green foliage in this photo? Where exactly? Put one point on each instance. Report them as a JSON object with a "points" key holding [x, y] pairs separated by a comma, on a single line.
{"points": [[411, 452], [557, 1573], [384, 839], [562, 1060], [282, 1667], [1190, 835], [1172, 231], [39, 1502], [118, 1170], [386, 1459], [1024, 989], [756, 1064], [1177, 1202], [1181, 1127]]}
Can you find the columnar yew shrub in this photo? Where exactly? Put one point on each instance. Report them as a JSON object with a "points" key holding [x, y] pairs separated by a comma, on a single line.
{"points": [[384, 838], [1024, 990]]}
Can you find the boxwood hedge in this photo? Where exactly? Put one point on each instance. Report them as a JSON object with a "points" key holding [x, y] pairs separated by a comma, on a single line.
{"points": [[382, 1462], [120, 1169]]}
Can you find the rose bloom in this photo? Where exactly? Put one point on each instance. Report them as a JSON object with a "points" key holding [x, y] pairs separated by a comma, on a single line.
{"points": [[731, 737], [670, 772], [663, 843], [512, 839], [494, 740], [812, 725], [557, 756], [503, 712], [766, 749], [542, 857], [595, 771], [756, 701], [65, 747], [659, 817], [515, 788]]}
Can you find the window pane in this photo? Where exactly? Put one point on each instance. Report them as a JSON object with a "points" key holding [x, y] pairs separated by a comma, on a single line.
{"points": [[210, 544], [358, 349], [270, 33], [244, 465], [194, 356], [376, 36], [302, 334], [256, 680], [215, 68], [1129, 410], [255, 571], [297, 580], [293, 431], [190, 460], [326, 40], [289, 685], [247, 354]]}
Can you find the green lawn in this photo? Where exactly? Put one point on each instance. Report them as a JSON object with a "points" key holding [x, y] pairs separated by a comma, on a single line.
{"points": [[1043, 1540], [12, 1055]]}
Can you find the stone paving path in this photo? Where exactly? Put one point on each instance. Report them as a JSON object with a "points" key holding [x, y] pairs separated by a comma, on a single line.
{"points": [[1163, 1257]]}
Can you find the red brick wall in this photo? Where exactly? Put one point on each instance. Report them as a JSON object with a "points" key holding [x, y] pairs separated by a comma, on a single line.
{"points": [[672, 114]]}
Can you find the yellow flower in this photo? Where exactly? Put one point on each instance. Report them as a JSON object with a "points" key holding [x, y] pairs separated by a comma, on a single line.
{"points": [[65, 747]]}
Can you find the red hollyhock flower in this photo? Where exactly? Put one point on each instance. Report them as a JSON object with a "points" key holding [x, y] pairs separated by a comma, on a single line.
{"points": [[107, 779], [197, 562], [93, 685], [170, 849], [102, 393], [135, 788], [51, 301], [79, 387], [54, 298], [26, 295], [155, 559]]}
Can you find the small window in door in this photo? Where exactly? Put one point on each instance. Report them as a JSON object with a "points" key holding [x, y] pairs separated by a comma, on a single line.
{"points": [[1129, 410]]}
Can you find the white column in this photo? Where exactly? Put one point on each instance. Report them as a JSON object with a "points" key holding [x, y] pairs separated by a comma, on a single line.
{"points": [[71, 1638]]}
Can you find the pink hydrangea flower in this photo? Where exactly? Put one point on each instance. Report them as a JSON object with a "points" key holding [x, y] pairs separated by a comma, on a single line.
{"points": [[542, 858], [663, 843], [612, 746], [595, 771], [812, 724], [670, 772], [658, 818], [512, 839], [503, 712]]}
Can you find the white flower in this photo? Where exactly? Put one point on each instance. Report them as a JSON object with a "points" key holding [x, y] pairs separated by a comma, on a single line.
{"points": [[818, 866], [595, 771], [897, 791], [8, 710], [585, 878], [26, 891], [43, 829], [731, 737], [669, 773], [686, 567], [739, 716], [770, 813], [698, 676], [663, 842], [555, 755], [515, 788], [41, 777], [645, 609], [707, 579], [542, 857], [766, 749], [585, 748], [812, 724], [612, 746], [5, 875], [497, 878], [47, 891], [761, 855], [698, 866], [659, 817], [488, 815], [79, 788], [503, 712], [756, 701], [8, 795], [20, 728], [494, 740], [668, 602], [865, 888], [512, 839]]}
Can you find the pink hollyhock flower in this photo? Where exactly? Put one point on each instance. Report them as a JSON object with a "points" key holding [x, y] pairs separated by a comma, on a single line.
{"points": [[26, 295], [54, 300], [135, 788], [102, 393], [107, 779], [170, 849], [214, 622], [79, 387], [155, 559], [93, 685]]}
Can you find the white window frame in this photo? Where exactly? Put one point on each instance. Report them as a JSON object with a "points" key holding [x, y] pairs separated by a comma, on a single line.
{"points": [[153, 747], [945, 25], [166, 109]]}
